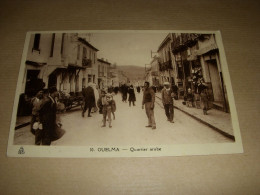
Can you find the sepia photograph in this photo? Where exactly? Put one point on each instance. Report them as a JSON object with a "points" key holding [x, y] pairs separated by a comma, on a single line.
{"points": [[123, 94]]}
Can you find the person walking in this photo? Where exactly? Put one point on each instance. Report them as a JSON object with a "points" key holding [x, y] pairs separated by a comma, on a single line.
{"points": [[131, 97], [167, 100], [124, 92], [148, 103], [89, 99], [138, 89], [203, 90]]}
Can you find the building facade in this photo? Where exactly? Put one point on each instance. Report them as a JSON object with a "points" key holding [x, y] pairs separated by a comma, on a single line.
{"points": [[64, 60], [114, 78], [103, 73], [166, 61], [197, 59]]}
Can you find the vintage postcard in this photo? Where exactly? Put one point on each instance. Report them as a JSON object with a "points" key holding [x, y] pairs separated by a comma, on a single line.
{"points": [[84, 94]]}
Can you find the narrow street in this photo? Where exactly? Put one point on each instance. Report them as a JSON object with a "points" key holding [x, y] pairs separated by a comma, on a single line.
{"points": [[128, 129]]}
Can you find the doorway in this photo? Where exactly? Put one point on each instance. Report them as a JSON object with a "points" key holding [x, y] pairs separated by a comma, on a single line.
{"points": [[215, 80]]}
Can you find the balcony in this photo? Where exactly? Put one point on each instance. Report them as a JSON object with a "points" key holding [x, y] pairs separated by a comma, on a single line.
{"points": [[165, 65], [101, 74], [185, 40], [86, 63], [155, 73], [190, 39]]}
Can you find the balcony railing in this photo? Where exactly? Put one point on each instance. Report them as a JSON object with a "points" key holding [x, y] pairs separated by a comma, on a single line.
{"points": [[101, 74], [86, 62], [155, 73], [183, 41], [165, 65]]}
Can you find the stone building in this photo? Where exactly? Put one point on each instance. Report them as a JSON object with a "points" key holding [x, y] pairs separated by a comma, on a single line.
{"points": [[103, 73], [197, 59], [166, 61], [64, 60]]}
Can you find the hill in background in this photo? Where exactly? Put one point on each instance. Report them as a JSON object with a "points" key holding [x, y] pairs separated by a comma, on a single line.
{"points": [[132, 72]]}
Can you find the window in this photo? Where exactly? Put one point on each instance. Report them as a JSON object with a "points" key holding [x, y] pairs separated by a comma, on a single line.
{"points": [[84, 52], [62, 43], [52, 44], [94, 76], [89, 78], [78, 52], [36, 42]]}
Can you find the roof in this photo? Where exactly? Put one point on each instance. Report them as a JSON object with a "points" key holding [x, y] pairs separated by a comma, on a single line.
{"points": [[103, 61], [167, 38], [87, 43]]}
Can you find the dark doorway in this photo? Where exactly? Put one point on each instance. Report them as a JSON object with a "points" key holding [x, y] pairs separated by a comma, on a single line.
{"points": [[33, 83], [52, 80]]}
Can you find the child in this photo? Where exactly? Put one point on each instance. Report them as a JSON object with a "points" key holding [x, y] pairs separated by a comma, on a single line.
{"points": [[108, 107]]}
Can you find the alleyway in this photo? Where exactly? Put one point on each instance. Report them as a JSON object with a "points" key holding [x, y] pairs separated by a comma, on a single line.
{"points": [[128, 129]]}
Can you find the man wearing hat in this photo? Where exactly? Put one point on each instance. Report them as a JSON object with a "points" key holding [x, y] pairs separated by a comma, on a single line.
{"points": [[47, 115], [167, 100]]}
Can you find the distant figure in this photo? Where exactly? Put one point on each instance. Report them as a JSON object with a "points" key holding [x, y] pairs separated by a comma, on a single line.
{"points": [[131, 97], [148, 103], [89, 99], [138, 89], [203, 90], [197, 96], [167, 100], [190, 98], [124, 90], [175, 91], [116, 89]]}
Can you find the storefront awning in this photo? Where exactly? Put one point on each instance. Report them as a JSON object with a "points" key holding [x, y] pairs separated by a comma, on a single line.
{"points": [[192, 57], [59, 70], [206, 49], [28, 62], [73, 66]]}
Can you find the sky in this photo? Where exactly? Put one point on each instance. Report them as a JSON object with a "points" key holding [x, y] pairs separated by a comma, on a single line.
{"points": [[126, 48]]}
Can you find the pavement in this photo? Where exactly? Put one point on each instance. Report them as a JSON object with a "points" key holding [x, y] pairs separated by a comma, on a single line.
{"points": [[218, 120]]}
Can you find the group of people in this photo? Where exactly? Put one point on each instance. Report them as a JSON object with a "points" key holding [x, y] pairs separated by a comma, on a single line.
{"points": [[149, 100], [45, 124], [95, 99], [199, 97], [128, 90]]}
